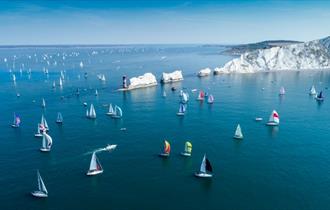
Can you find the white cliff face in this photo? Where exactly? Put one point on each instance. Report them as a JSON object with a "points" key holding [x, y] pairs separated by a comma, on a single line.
{"points": [[309, 55], [148, 79], [172, 77]]}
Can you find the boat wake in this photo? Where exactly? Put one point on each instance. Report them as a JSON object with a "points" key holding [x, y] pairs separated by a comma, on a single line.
{"points": [[109, 147]]}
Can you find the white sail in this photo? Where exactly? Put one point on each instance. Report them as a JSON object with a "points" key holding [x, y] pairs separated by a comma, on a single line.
{"points": [[312, 90], [203, 165], [92, 113], [274, 117], [96, 92], [94, 164], [44, 122], [49, 141], [59, 117], [238, 132], [54, 84], [61, 82], [103, 78], [41, 184], [44, 142], [111, 109], [185, 97], [118, 111]]}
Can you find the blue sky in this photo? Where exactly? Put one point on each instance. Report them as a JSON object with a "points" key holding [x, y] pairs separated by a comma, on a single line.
{"points": [[161, 21]]}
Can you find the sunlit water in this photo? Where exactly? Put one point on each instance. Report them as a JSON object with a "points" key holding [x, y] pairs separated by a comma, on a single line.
{"points": [[286, 167]]}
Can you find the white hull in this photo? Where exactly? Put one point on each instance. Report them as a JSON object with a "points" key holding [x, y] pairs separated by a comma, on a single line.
{"points": [[258, 119], [272, 124], [93, 173], [185, 154], [38, 135], [319, 99], [238, 137], [109, 114], [39, 194], [115, 117], [14, 126], [203, 175], [44, 150], [181, 114]]}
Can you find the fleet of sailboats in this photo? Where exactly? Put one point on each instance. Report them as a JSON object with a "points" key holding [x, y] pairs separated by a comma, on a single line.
{"points": [[166, 149], [205, 170], [94, 166], [41, 192]]}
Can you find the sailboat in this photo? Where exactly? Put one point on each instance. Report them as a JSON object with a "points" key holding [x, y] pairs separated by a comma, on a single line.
{"points": [[238, 133], [42, 190], [282, 91], [59, 119], [201, 96], [185, 98], [187, 149], [95, 166], [164, 94], [60, 82], [118, 113], [44, 122], [91, 113], [166, 150], [320, 97], [96, 92], [312, 91], [43, 103], [54, 84], [274, 119], [210, 99], [40, 129], [205, 170], [47, 142], [14, 78], [103, 78], [16, 122], [111, 111], [182, 110]]}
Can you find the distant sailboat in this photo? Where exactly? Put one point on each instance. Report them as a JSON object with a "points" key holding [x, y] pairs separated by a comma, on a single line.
{"points": [[111, 111], [320, 97], [164, 94], [96, 92], [59, 119], [103, 78], [42, 191], [182, 110], [16, 121], [282, 91], [274, 119], [60, 82], [205, 170], [94, 166], [184, 98], [238, 133], [54, 84], [40, 129], [166, 150], [187, 149], [210, 99], [312, 91], [47, 142], [43, 103], [118, 113], [91, 113], [201, 96], [44, 122]]}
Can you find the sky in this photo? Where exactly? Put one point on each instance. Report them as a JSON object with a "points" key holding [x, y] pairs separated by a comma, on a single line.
{"points": [[39, 22]]}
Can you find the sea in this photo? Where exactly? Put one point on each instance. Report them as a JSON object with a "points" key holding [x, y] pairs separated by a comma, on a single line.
{"points": [[272, 168]]}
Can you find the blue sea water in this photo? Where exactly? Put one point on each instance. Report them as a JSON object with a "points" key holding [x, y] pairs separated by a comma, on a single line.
{"points": [[285, 167]]}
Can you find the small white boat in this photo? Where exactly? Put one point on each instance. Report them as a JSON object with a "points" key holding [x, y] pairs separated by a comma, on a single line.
{"points": [[40, 129], [111, 111], [118, 113], [258, 119], [282, 91], [187, 149], [210, 99], [42, 190], [182, 110], [238, 133], [43, 103], [91, 114], [312, 91], [59, 119], [16, 121], [85, 104], [205, 170], [94, 166], [47, 143], [274, 119], [166, 149]]}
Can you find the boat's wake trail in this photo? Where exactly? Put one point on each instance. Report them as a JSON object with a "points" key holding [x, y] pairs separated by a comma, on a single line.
{"points": [[109, 147]]}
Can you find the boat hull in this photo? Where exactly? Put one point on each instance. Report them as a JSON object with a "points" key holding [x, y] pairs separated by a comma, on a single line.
{"points": [[185, 154], [203, 175], [14, 126], [319, 99], [272, 124], [37, 135], [109, 114], [164, 155], [238, 137], [180, 114], [93, 173], [39, 194], [44, 150]]}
